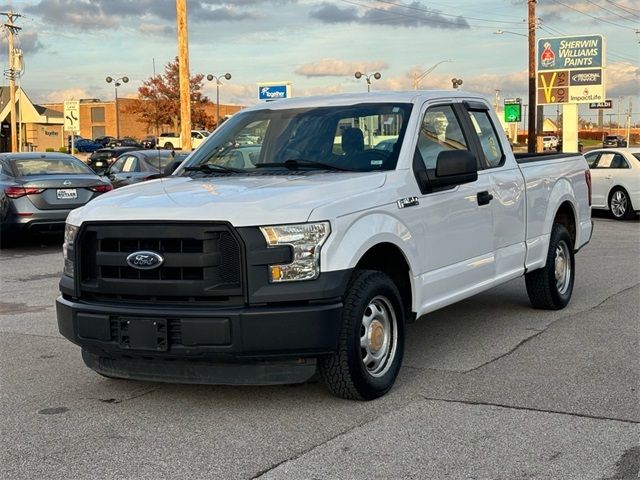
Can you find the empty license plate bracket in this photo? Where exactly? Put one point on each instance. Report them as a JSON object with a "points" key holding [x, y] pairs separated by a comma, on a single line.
{"points": [[143, 334]]}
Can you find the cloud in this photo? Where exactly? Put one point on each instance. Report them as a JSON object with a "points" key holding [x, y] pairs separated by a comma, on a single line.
{"points": [[155, 29], [329, 67], [413, 14], [107, 14], [57, 96], [27, 40], [82, 14], [622, 79]]}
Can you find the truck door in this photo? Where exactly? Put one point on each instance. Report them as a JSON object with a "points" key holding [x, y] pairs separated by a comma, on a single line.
{"points": [[507, 190], [454, 226]]}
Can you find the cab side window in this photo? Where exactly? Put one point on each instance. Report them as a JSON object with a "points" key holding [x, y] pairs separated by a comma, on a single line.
{"points": [[440, 131], [493, 154], [117, 166]]}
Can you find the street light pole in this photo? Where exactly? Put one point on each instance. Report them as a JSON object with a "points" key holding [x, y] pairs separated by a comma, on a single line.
{"points": [[418, 78], [367, 77], [116, 84], [210, 77], [531, 132]]}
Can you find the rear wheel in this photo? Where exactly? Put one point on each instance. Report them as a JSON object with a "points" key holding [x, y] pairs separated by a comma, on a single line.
{"points": [[371, 343], [620, 204], [550, 287]]}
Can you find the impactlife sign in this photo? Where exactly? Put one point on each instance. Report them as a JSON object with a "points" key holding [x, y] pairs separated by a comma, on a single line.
{"points": [[570, 69]]}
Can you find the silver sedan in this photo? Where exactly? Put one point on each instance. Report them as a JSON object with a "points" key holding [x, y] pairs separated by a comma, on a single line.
{"points": [[38, 190]]}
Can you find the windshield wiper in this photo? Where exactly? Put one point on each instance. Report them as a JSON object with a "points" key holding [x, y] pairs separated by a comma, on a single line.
{"points": [[296, 163], [213, 168]]}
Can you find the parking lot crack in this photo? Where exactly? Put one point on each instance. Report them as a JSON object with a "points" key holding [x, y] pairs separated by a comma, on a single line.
{"points": [[530, 409], [328, 440], [540, 332]]}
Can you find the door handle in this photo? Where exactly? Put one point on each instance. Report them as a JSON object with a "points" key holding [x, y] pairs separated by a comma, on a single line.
{"points": [[609, 177], [484, 198]]}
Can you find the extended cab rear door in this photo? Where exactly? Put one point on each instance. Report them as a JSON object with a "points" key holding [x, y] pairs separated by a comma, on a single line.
{"points": [[506, 188], [454, 224]]}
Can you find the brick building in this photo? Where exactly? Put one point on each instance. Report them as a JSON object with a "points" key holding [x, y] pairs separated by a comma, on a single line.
{"points": [[98, 118]]}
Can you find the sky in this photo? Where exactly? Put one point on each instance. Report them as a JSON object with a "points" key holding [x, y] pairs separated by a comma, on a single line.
{"points": [[71, 46]]}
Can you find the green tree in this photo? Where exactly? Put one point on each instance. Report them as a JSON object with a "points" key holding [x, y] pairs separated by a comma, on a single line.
{"points": [[158, 101]]}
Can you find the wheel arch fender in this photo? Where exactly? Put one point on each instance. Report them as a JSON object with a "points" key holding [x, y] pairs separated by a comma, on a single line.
{"points": [[365, 234]]}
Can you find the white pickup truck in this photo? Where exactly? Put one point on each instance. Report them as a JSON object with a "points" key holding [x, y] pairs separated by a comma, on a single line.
{"points": [[171, 141], [311, 251]]}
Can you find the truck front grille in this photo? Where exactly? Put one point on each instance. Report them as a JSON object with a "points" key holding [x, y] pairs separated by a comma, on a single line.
{"points": [[202, 263]]}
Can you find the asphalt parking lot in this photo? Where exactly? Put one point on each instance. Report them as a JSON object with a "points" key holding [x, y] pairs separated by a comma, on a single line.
{"points": [[490, 389]]}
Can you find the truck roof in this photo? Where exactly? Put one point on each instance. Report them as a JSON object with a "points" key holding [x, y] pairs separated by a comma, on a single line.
{"points": [[409, 96]]}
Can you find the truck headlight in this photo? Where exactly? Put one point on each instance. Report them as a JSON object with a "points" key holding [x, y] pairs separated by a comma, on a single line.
{"points": [[70, 233], [306, 239]]}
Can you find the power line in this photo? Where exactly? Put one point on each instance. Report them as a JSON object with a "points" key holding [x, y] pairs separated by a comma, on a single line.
{"points": [[425, 10], [611, 11], [592, 16], [625, 8]]}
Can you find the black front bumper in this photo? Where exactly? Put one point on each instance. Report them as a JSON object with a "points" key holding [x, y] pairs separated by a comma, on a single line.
{"points": [[201, 334]]}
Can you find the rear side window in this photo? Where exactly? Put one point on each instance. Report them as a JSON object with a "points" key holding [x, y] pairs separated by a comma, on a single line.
{"points": [[440, 131], [493, 155], [611, 160]]}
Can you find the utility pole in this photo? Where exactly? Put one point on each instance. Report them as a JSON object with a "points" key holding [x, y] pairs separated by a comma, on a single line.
{"points": [[11, 74], [531, 131], [183, 62]]}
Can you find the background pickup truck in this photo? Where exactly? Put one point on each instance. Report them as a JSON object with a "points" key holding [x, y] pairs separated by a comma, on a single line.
{"points": [[262, 263], [171, 141]]}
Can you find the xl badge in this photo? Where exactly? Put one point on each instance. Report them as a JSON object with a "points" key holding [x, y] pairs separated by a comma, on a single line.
{"points": [[145, 260]]}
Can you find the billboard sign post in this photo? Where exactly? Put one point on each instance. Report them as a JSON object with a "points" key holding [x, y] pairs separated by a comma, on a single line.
{"points": [[72, 120]]}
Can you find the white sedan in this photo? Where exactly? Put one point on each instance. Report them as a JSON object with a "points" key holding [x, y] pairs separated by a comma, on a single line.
{"points": [[615, 176]]}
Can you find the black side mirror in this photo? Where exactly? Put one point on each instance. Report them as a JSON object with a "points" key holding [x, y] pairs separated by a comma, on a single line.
{"points": [[454, 167]]}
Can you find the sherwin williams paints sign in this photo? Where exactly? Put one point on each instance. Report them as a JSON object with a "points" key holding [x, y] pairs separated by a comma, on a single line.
{"points": [[570, 69]]}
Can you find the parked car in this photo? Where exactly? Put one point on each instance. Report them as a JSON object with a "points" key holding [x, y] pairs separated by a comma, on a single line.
{"points": [[386, 145], [559, 146], [125, 142], [615, 178], [150, 141], [38, 190], [101, 159], [318, 255], [104, 140], [140, 165], [614, 141], [171, 141], [549, 142], [86, 145]]}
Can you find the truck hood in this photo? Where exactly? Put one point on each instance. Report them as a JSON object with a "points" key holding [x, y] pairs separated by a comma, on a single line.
{"points": [[240, 200]]}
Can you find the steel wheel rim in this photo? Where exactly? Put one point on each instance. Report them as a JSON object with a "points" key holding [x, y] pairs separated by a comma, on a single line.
{"points": [[618, 203], [378, 336], [562, 265]]}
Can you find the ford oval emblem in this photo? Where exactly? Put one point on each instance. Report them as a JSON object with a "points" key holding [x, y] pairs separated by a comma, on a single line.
{"points": [[145, 260]]}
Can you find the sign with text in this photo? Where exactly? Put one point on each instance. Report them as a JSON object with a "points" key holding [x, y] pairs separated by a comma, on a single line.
{"points": [[274, 91], [72, 116], [570, 70], [512, 111], [605, 104]]}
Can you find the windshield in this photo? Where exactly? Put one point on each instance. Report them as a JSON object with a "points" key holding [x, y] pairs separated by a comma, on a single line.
{"points": [[328, 138], [49, 166]]}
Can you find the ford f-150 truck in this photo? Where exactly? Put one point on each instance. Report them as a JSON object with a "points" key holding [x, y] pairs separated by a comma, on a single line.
{"points": [[312, 251]]}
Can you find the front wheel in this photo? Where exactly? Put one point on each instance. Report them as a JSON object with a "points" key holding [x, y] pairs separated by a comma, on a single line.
{"points": [[620, 204], [371, 343], [550, 287]]}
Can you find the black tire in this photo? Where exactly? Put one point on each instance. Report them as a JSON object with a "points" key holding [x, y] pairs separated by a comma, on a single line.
{"points": [[372, 298], [550, 287], [168, 146], [620, 204]]}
